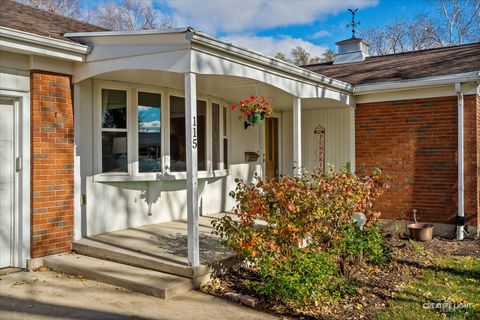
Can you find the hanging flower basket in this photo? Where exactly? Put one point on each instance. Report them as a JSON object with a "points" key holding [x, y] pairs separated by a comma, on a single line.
{"points": [[254, 110]]}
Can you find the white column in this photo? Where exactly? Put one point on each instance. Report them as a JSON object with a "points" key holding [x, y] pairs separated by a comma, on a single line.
{"points": [[352, 137], [297, 135], [192, 167]]}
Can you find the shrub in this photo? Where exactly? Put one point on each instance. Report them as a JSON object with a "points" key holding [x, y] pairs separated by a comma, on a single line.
{"points": [[355, 245], [301, 278], [311, 212]]}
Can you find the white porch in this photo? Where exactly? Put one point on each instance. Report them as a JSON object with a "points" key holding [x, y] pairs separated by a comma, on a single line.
{"points": [[198, 69]]}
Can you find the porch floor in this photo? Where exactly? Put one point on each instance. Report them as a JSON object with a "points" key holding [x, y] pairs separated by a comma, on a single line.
{"points": [[167, 242]]}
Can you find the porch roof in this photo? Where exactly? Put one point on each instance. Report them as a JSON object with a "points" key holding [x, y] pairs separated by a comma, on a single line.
{"points": [[183, 50]]}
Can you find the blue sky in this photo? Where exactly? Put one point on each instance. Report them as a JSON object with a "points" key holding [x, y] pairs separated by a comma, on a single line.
{"points": [[269, 26]]}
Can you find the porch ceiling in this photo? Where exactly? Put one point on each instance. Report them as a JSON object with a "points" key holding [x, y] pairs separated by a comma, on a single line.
{"points": [[228, 88]]}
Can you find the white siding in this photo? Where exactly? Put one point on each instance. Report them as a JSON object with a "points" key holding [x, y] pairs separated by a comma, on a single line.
{"points": [[337, 144]]}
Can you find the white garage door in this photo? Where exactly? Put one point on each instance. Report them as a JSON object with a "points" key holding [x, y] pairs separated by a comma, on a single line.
{"points": [[6, 181]]}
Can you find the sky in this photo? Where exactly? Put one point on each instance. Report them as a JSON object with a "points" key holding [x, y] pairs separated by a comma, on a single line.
{"points": [[270, 26]]}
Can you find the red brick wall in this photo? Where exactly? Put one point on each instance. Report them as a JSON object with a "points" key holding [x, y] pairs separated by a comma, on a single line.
{"points": [[52, 163], [414, 142]]}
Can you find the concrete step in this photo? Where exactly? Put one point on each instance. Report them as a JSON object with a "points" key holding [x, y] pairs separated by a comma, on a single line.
{"points": [[110, 252], [150, 282]]}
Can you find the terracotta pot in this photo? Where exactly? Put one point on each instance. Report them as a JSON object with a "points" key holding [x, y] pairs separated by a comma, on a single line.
{"points": [[421, 231]]}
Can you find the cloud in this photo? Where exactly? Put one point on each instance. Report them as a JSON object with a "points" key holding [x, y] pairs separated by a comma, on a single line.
{"points": [[235, 16], [320, 34], [271, 45]]}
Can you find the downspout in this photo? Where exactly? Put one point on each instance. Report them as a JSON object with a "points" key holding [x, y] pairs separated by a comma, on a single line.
{"points": [[461, 199]]}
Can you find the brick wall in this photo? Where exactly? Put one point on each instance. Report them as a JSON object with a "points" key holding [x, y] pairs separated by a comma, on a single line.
{"points": [[52, 163], [414, 142]]}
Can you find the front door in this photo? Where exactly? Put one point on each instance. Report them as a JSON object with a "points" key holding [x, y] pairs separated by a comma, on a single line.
{"points": [[7, 176], [271, 148]]}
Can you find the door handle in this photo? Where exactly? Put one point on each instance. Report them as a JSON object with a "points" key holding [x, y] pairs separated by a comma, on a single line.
{"points": [[18, 164]]}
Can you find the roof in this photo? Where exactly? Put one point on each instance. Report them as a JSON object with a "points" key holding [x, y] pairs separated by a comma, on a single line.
{"points": [[25, 18], [405, 66]]}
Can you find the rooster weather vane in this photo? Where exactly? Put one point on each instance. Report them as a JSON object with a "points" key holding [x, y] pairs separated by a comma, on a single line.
{"points": [[353, 24]]}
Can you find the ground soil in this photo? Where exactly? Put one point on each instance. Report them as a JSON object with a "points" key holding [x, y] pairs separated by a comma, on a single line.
{"points": [[375, 285]]}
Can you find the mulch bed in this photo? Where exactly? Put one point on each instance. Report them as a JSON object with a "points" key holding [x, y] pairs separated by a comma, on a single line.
{"points": [[375, 285]]}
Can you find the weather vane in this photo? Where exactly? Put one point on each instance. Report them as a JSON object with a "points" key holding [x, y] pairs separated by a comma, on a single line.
{"points": [[353, 24]]}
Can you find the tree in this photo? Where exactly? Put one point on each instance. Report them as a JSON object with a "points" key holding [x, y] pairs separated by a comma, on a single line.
{"points": [[449, 22], [328, 56], [281, 56], [67, 8], [128, 15], [462, 20]]}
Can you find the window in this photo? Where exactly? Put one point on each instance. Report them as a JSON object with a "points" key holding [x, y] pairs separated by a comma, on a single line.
{"points": [[114, 131], [225, 138], [177, 134], [141, 130], [149, 132], [216, 136]]}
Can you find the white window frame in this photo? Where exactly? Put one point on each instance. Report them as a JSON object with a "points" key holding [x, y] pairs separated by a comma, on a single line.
{"points": [[133, 173], [98, 87], [163, 107]]}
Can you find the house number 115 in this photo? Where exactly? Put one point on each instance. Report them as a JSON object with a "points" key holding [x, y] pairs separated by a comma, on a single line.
{"points": [[194, 136]]}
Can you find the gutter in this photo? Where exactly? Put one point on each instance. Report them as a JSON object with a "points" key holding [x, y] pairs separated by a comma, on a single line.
{"points": [[223, 46], [35, 39], [417, 83], [461, 197]]}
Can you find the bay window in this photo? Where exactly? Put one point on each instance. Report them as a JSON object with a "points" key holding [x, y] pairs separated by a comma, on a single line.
{"points": [[149, 136]]}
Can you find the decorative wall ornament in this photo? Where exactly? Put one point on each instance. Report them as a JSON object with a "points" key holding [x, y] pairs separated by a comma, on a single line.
{"points": [[319, 148]]}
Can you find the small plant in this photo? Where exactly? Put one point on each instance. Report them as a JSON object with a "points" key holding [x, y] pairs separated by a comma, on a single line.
{"points": [[417, 246]]}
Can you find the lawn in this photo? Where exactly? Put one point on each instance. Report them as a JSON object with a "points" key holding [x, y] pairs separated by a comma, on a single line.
{"points": [[452, 283]]}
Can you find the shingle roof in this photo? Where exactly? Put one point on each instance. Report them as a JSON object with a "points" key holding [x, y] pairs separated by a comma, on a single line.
{"points": [[404, 66], [25, 18]]}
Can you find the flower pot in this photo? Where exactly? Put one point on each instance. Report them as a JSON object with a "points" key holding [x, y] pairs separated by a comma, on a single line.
{"points": [[256, 117], [421, 231]]}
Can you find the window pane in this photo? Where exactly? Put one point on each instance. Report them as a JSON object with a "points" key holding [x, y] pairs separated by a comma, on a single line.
{"points": [[177, 134], [149, 132], [225, 122], [114, 152], [114, 108], [225, 152], [216, 136]]}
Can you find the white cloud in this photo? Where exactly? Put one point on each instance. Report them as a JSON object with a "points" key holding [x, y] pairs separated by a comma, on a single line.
{"points": [[320, 34], [233, 16], [271, 45]]}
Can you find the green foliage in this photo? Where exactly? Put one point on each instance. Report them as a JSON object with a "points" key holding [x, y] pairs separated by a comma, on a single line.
{"points": [[355, 245], [302, 278], [417, 246]]}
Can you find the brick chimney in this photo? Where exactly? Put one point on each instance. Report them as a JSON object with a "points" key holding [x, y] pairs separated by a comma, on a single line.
{"points": [[351, 50]]}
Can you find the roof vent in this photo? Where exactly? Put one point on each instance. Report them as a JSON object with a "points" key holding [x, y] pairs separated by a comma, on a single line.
{"points": [[351, 50]]}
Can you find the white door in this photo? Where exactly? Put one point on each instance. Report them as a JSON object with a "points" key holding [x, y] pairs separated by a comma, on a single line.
{"points": [[7, 176]]}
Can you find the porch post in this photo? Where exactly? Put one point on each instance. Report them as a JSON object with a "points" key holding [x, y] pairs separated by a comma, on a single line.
{"points": [[297, 135], [192, 167], [351, 120]]}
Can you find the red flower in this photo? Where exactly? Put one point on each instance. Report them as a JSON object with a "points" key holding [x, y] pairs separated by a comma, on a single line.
{"points": [[233, 107], [249, 113], [253, 97], [247, 101], [241, 102]]}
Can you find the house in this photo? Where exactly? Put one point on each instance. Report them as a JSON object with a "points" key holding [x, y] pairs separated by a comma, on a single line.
{"points": [[104, 130]]}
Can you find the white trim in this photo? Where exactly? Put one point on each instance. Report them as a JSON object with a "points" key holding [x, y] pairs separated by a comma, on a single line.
{"points": [[77, 178], [37, 44], [351, 138], [417, 83], [460, 156], [124, 33], [297, 135], [22, 215]]}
